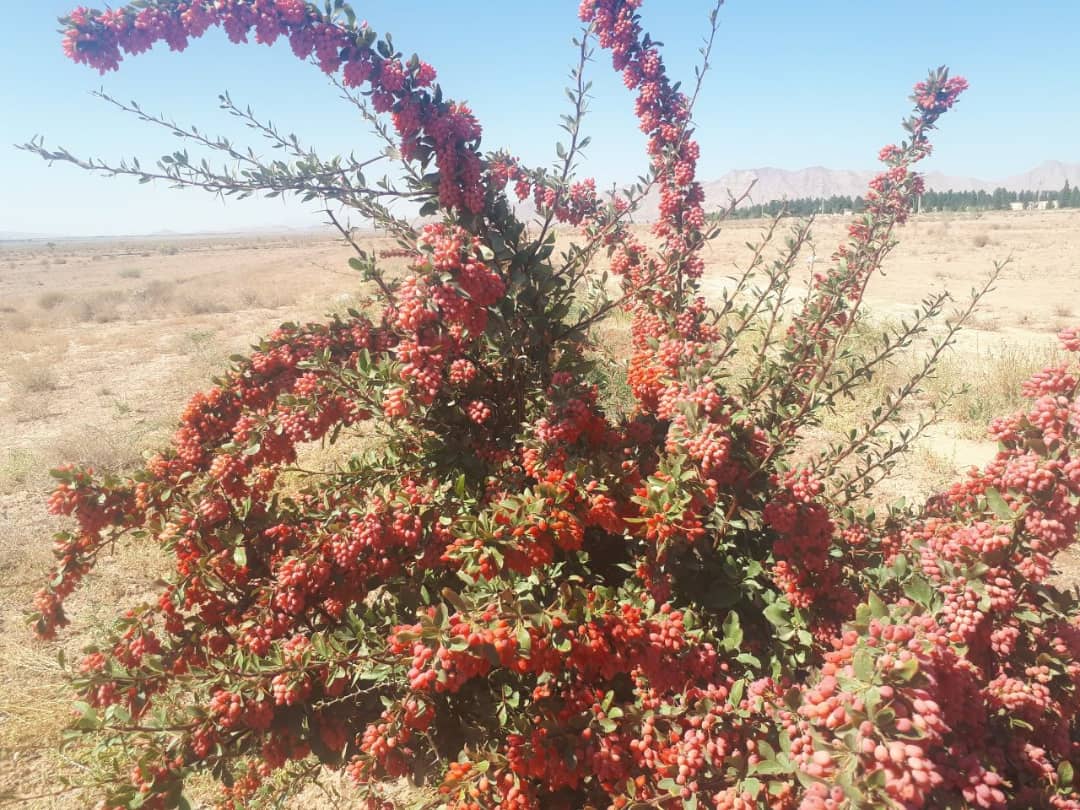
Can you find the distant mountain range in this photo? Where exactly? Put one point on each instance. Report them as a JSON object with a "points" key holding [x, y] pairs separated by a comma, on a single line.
{"points": [[255, 230], [816, 181]]}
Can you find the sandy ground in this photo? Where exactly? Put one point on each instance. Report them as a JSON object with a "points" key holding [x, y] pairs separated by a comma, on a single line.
{"points": [[104, 341]]}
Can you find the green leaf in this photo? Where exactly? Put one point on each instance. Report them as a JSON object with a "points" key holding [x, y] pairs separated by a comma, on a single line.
{"points": [[998, 505], [524, 640], [748, 659], [88, 717], [877, 607], [918, 590], [669, 785], [771, 767], [737, 690], [454, 599], [907, 670], [863, 664], [733, 633], [778, 614], [239, 556], [1065, 774]]}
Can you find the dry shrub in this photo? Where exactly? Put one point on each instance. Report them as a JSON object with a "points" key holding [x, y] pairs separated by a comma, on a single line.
{"points": [[30, 375], [980, 240], [157, 293], [992, 381], [984, 323], [17, 467], [104, 306], [203, 303], [130, 272], [274, 297], [935, 471], [51, 299], [19, 342], [14, 322], [113, 450]]}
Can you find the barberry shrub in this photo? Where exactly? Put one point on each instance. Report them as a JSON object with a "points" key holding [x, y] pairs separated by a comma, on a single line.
{"points": [[524, 598]]}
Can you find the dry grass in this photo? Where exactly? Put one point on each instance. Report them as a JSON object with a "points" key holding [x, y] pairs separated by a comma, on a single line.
{"points": [[32, 376], [262, 299], [988, 385], [102, 306], [203, 303], [116, 450], [934, 469], [18, 466], [52, 299], [157, 294]]}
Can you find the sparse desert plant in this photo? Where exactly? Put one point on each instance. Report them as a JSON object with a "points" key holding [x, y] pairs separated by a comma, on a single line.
{"points": [[17, 467], [51, 299], [101, 306], [157, 293], [993, 383], [262, 299], [15, 322], [130, 272], [980, 240], [984, 323], [203, 303], [934, 468], [520, 599], [200, 342], [115, 450], [32, 375]]}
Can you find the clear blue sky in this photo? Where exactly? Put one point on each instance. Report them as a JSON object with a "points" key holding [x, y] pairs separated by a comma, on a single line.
{"points": [[794, 84]]}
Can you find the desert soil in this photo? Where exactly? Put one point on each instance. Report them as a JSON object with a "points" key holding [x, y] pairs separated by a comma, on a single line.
{"points": [[105, 340]]}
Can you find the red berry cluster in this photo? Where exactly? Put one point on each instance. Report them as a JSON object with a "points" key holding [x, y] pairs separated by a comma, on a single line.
{"points": [[447, 130], [531, 600]]}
